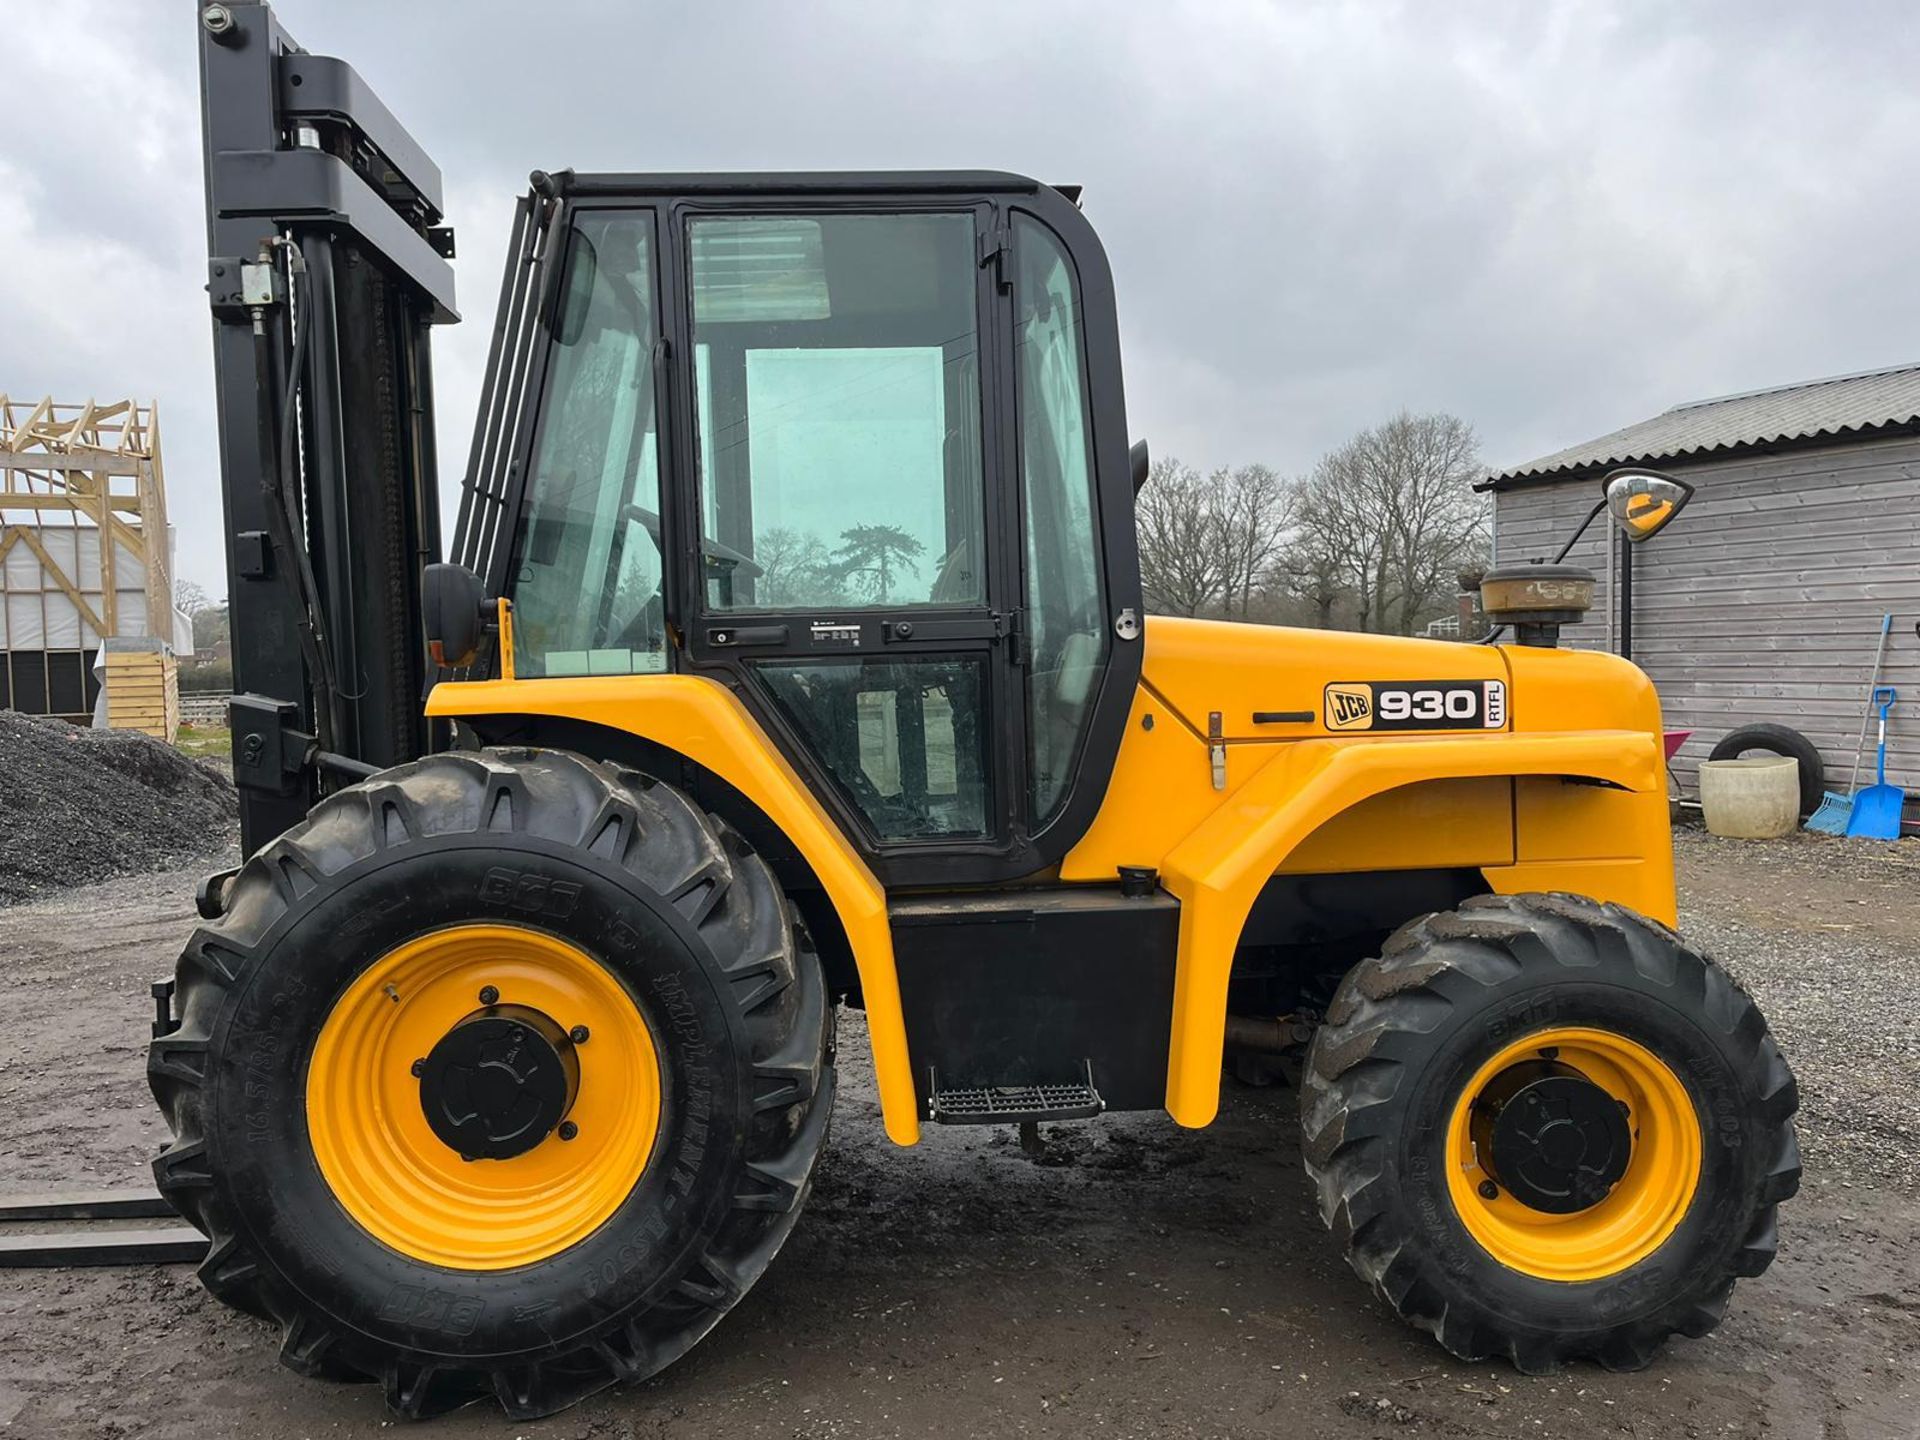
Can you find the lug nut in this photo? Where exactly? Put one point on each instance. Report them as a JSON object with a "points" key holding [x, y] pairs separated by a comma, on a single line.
{"points": [[1489, 1190], [419, 1067], [579, 1034], [489, 995], [568, 1129]]}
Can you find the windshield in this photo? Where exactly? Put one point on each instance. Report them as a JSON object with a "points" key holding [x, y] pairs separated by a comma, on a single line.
{"points": [[587, 570]]}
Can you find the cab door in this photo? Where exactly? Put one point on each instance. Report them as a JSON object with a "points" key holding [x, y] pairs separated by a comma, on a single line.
{"points": [[845, 537]]}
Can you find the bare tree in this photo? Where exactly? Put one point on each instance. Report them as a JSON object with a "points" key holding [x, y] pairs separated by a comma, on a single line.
{"points": [[1317, 567], [1255, 515], [1340, 543], [1372, 538], [1393, 515], [796, 570], [1423, 471], [1178, 527], [190, 597]]}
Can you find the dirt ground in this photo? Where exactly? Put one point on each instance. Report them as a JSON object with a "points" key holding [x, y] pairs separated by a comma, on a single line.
{"points": [[1146, 1281]]}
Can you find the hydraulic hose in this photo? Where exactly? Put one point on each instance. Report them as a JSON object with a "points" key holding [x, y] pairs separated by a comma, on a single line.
{"points": [[282, 516]]}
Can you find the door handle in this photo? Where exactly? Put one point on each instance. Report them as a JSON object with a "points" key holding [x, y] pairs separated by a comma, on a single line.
{"points": [[1283, 717], [731, 635]]}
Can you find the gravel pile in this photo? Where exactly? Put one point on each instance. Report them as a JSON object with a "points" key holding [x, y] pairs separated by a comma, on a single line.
{"points": [[81, 805]]}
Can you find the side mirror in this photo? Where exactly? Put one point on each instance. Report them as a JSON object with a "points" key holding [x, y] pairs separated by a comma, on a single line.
{"points": [[454, 613], [1142, 464], [1644, 502]]}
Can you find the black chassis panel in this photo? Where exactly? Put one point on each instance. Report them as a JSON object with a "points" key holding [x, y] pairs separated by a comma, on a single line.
{"points": [[1026, 987]]}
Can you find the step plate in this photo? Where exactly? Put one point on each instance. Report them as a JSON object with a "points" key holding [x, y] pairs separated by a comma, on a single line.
{"points": [[1013, 1104]]}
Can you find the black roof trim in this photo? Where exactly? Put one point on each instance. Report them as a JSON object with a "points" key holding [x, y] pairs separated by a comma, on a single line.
{"points": [[798, 182]]}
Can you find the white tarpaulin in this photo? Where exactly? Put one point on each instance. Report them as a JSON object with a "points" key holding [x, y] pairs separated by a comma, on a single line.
{"points": [[37, 614]]}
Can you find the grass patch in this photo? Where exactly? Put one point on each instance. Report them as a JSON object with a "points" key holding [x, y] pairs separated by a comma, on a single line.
{"points": [[201, 741]]}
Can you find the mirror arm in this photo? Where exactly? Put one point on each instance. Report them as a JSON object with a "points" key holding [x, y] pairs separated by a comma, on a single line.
{"points": [[1574, 539]]}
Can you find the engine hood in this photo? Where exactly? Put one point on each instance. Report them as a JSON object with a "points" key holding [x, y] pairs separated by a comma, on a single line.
{"points": [[1293, 680], [1198, 667]]}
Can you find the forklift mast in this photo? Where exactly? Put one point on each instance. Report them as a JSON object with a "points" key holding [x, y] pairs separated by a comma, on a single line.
{"points": [[327, 268]]}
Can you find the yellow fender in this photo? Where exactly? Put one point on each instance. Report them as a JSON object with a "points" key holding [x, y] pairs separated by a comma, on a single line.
{"points": [[702, 719], [1218, 871]]}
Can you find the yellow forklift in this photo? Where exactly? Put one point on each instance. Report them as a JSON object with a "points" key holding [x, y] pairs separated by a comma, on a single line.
{"points": [[791, 655]]}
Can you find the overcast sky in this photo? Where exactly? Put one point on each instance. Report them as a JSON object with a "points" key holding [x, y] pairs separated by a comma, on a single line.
{"points": [[1550, 219]]}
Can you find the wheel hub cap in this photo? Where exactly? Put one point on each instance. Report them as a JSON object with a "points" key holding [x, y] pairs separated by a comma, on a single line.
{"points": [[1574, 1152], [409, 1080], [499, 1082], [1554, 1138]]}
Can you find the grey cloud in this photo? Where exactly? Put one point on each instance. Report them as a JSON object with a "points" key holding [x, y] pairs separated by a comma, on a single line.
{"points": [[1551, 219]]}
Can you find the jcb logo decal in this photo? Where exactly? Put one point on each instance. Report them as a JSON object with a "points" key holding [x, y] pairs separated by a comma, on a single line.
{"points": [[1417, 705], [1349, 707]]}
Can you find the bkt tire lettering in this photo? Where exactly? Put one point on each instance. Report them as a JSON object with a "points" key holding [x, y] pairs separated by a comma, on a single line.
{"points": [[529, 894]]}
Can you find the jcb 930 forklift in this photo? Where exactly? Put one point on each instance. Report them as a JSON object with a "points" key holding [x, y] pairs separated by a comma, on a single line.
{"points": [[791, 655]]}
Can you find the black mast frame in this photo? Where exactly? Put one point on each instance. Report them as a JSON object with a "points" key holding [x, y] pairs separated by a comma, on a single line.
{"points": [[327, 269]]}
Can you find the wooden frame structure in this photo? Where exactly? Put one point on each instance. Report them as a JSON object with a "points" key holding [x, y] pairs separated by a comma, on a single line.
{"points": [[92, 470]]}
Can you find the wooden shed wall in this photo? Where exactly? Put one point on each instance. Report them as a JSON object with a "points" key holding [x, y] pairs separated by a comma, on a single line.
{"points": [[1763, 601]]}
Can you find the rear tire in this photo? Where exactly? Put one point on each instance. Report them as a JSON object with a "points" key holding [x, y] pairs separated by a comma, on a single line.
{"points": [[692, 930], [1410, 1032]]}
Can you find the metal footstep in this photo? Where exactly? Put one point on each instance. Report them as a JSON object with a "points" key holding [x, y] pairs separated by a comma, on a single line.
{"points": [[162, 1245], [1012, 1104]]}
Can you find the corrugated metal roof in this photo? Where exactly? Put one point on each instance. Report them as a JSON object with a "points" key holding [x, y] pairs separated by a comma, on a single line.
{"points": [[1833, 406]]}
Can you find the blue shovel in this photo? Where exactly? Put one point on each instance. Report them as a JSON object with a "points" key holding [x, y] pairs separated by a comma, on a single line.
{"points": [[1876, 809]]}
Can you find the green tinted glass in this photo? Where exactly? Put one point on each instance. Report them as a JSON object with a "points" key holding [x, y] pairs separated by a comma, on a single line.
{"points": [[586, 580], [838, 376], [902, 738], [1064, 603]]}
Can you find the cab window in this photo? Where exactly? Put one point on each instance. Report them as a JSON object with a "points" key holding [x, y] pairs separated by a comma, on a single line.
{"points": [[837, 370], [1065, 607], [586, 576]]}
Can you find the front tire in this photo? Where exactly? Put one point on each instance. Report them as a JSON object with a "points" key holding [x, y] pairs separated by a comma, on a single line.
{"points": [[553, 1260], [1669, 1106]]}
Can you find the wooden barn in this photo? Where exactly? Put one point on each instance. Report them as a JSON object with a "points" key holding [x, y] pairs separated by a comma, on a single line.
{"points": [[1762, 603]]}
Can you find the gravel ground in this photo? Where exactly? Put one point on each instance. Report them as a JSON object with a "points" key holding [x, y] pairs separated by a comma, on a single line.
{"points": [[1145, 1281], [81, 805], [1826, 934]]}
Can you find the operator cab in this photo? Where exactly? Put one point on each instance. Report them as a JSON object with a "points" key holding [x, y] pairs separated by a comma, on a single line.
{"points": [[852, 445]]}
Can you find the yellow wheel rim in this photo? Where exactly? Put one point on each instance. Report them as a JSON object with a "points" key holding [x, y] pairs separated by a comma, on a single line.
{"points": [[406, 1187], [1635, 1218]]}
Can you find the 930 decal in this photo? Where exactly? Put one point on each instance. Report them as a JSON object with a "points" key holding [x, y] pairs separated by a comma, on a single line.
{"points": [[1417, 705]]}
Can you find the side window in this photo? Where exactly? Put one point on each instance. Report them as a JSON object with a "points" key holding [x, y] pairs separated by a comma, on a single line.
{"points": [[901, 738], [586, 576], [1066, 610], [836, 359]]}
